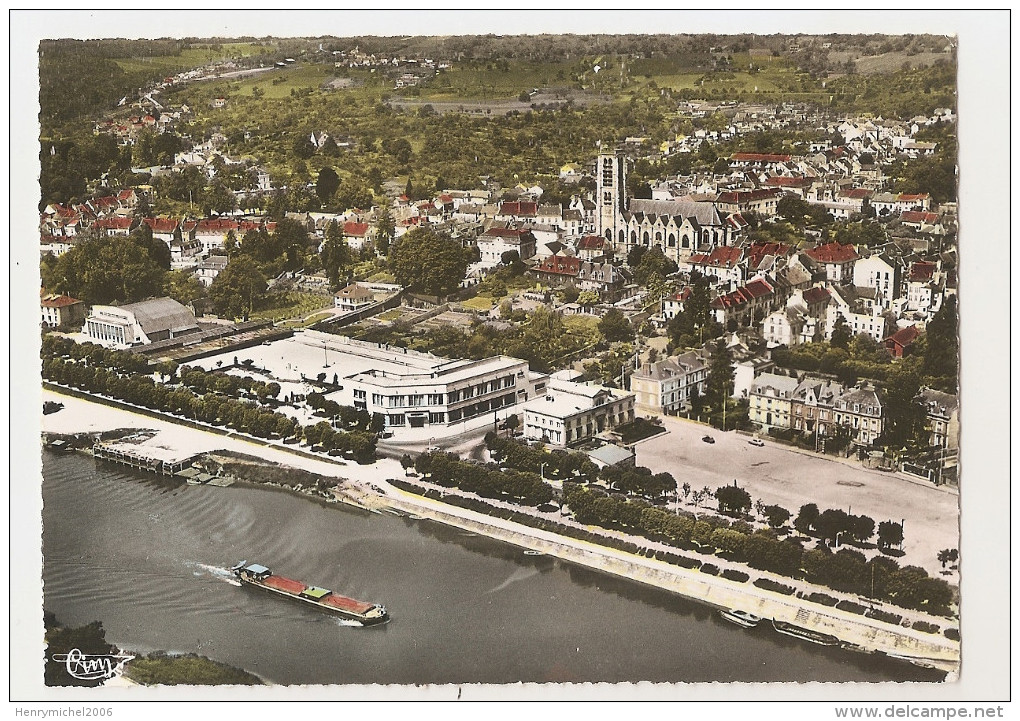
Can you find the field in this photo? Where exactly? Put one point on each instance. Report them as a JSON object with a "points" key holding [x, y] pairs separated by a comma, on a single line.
{"points": [[278, 84], [493, 82], [189, 58]]}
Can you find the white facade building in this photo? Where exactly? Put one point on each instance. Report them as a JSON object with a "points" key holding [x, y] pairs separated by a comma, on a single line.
{"points": [[572, 412]]}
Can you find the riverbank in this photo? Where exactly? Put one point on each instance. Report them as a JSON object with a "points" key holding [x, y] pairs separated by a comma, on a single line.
{"points": [[855, 631]]}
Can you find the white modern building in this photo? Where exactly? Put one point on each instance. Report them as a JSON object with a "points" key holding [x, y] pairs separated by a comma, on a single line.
{"points": [[413, 389], [139, 323]]}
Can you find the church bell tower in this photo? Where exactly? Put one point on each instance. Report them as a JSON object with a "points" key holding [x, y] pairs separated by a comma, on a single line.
{"points": [[611, 189]]}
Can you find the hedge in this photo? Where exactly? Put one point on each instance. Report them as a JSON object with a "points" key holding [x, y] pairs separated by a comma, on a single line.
{"points": [[769, 585]]}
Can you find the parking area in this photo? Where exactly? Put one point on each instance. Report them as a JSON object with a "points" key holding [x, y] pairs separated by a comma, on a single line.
{"points": [[778, 475]]}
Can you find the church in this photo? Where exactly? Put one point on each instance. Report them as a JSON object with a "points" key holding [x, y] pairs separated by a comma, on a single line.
{"points": [[679, 227]]}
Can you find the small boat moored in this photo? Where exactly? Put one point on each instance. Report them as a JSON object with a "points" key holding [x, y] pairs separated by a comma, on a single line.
{"points": [[741, 618], [805, 634]]}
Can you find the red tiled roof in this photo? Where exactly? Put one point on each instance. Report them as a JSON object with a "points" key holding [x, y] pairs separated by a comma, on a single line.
{"points": [[560, 265], [126, 194], [162, 225], [918, 216], [760, 157], [832, 253], [58, 301], [591, 242], [216, 225], [722, 256], [758, 288], [784, 181], [357, 230], [518, 208], [816, 295], [922, 270], [115, 223], [857, 193], [757, 252], [904, 336], [909, 198]]}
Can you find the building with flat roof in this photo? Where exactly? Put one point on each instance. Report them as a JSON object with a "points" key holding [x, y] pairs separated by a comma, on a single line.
{"points": [[139, 323], [573, 412], [414, 389]]}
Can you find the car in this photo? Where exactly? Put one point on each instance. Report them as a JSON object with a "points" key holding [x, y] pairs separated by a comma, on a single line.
{"points": [[433, 449], [757, 442], [708, 439]]}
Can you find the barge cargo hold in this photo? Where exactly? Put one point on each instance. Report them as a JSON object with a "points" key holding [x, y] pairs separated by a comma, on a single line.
{"points": [[256, 575]]}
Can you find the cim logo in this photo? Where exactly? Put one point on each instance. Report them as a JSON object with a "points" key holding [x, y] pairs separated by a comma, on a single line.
{"points": [[92, 667]]}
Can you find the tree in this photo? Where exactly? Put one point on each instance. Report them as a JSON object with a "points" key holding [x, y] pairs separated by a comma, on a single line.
{"points": [[424, 261], [512, 260], [942, 347], [840, 333], [384, 230], [776, 515], [183, 287], [303, 147], [335, 254], [805, 521], [109, 269], [889, 534], [614, 326], [832, 522], [238, 289], [89, 639], [588, 298], [733, 499], [948, 555], [719, 386], [326, 184]]}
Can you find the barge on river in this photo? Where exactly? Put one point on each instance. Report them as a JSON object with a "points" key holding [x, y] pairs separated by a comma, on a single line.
{"points": [[260, 576]]}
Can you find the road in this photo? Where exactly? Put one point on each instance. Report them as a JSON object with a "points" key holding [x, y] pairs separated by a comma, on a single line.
{"points": [[778, 475]]}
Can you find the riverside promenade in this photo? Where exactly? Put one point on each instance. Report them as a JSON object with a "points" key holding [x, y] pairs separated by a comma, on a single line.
{"points": [[369, 483]]}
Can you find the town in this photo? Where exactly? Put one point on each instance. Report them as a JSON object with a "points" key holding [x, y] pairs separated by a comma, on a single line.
{"points": [[615, 332]]}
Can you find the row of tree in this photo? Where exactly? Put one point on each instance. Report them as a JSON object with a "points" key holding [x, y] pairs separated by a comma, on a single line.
{"points": [[522, 487], [846, 570], [243, 415]]}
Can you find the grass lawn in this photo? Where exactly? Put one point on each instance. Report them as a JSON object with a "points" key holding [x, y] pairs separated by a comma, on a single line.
{"points": [[192, 57], [391, 314], [473, 83], [291, 304], [580, 324], [479, 302]]}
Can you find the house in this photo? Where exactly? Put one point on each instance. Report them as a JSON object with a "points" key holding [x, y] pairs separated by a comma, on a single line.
{"points": [[943, 418], [498, 240], [609, 281], [353, 297], [209, 268], [356, 234], [139, 323], [723, 264], [838, 261], [668, 385], [591, 247], [116, 225], [744, 306], [770, 401], [859, 411], [212, 233], [898, 344], [813, 404], [881, 272], [61, 311], [764, 202], [570, 412], [862, 314]]}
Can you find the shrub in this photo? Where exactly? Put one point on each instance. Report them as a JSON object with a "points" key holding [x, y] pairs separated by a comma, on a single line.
{"points": [[822, 598], [769, 585], [710, 568], [953, 634], [885, 616], [925, 626], [851, 607], [733, 575]]}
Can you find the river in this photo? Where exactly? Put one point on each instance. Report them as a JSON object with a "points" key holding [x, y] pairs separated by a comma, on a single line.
{"points": [[148, 557]]}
